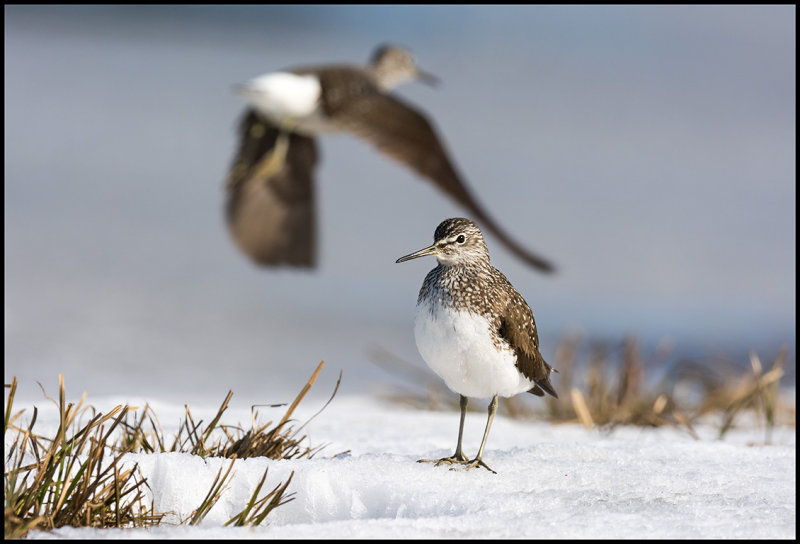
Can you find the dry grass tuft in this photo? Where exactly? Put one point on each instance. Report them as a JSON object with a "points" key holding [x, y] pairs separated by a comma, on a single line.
{"points": [[257, 509], [278, 442], [76, 478], [68, 480]]}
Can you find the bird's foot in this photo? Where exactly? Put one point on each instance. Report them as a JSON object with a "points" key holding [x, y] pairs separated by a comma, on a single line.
{"points": [[274, 162], [457, 458], [478, 462], [271, 165]]}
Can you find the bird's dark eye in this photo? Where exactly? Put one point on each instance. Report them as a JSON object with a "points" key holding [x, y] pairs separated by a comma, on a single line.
{"points": [[461, 239]]}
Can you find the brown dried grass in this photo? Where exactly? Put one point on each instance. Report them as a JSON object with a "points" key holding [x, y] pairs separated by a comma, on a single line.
{"points": [[76, 478]]}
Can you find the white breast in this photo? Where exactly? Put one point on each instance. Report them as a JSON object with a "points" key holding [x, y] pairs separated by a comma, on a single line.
{"points": [[458, 347]]}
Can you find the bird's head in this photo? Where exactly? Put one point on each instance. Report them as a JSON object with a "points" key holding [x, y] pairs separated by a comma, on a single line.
{"points": [[457, 241], [393, 65]]}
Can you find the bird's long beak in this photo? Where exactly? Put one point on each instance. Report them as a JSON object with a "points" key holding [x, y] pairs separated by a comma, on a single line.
{"points": [[431, 250], [428, 78]]}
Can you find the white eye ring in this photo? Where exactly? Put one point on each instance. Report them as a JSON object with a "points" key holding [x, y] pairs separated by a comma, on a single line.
{"points": [[461, 239]]}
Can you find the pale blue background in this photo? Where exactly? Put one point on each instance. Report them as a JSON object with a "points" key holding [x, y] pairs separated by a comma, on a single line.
{"points": [[649, 151]]}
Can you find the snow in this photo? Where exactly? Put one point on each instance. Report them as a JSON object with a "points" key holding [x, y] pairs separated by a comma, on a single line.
{"points": [[552, 481]]}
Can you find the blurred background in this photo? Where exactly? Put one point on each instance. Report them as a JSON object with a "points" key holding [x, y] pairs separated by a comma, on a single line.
{"points": [[648, 151]]}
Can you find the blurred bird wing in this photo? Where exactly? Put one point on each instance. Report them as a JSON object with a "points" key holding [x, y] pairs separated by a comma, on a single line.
{"points": [[401, 132], [271, 213]]}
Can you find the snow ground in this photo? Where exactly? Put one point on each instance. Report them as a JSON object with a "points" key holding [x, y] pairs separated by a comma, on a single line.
{"points": [[552, 481]]}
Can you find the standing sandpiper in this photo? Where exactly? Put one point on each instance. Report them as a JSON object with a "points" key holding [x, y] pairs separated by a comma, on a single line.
{"points": [[474, 329], [270, 186]]}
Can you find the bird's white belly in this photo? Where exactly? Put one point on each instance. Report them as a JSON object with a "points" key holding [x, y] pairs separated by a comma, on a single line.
{"points": [[284, 96], [459, 348]]}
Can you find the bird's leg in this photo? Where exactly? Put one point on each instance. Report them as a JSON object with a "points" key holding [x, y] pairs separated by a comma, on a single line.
{"points": [[458, 456], [478, 461], [275, 160]]}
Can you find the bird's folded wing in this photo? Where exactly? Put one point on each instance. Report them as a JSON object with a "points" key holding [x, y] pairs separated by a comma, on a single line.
{"points": [[518, 327], [271, 212]]}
